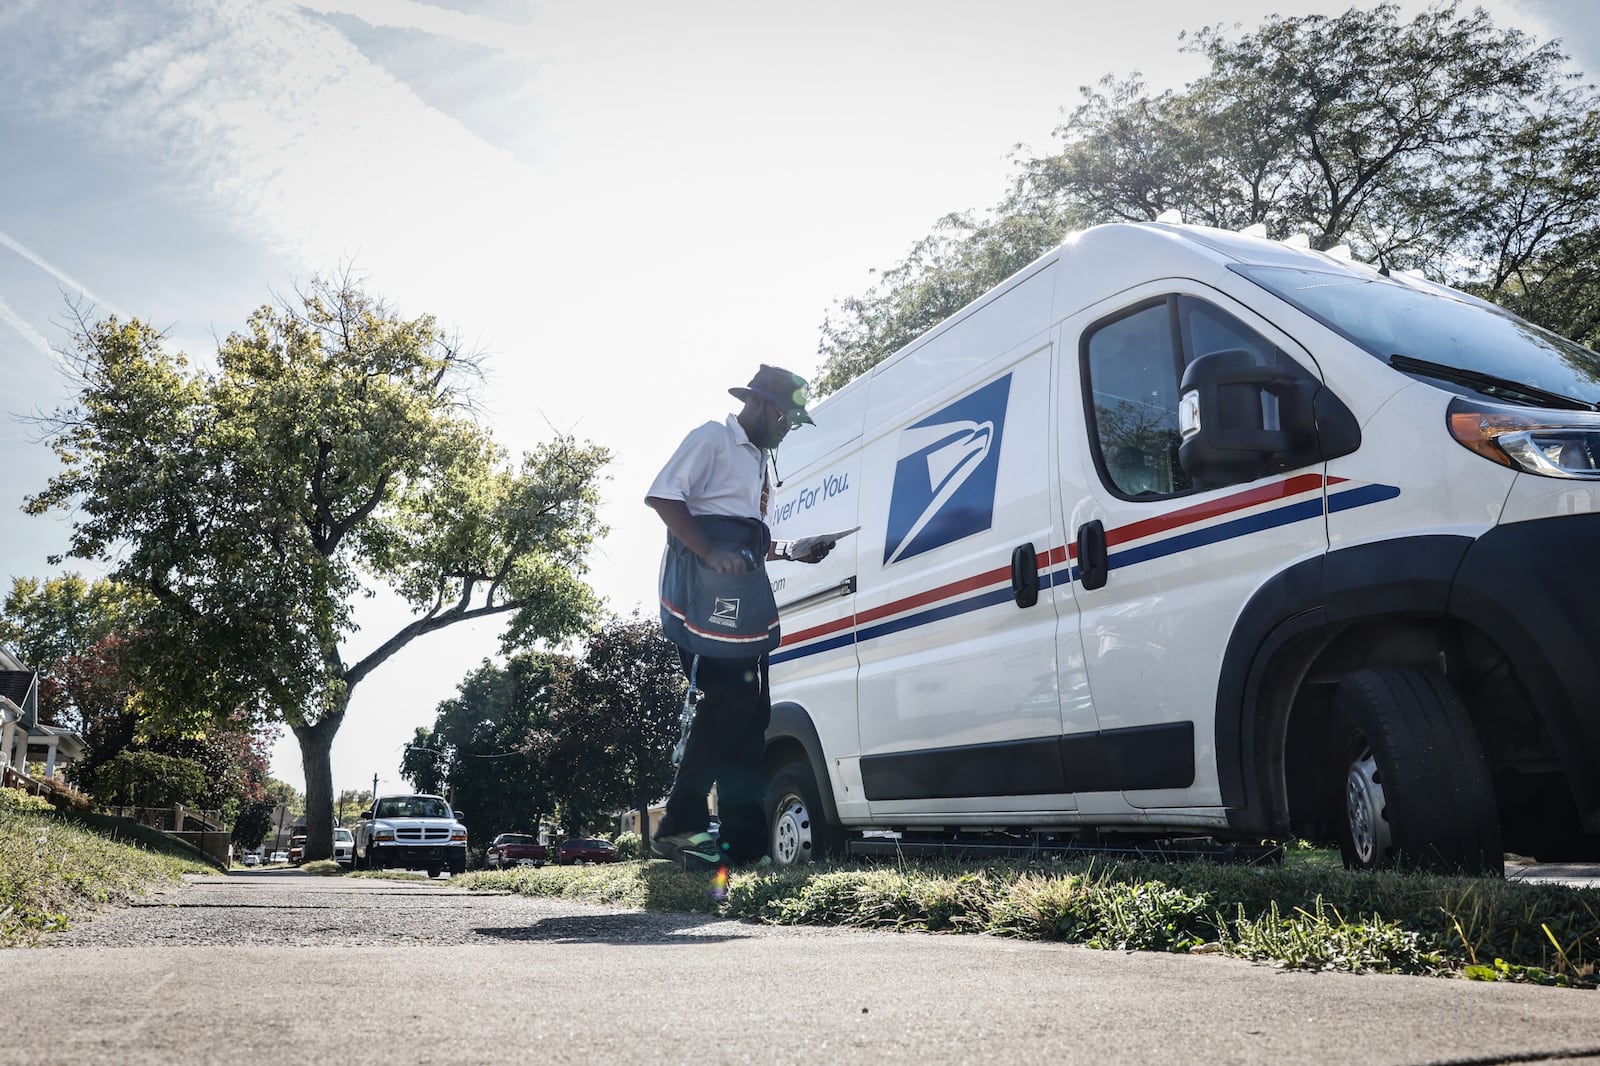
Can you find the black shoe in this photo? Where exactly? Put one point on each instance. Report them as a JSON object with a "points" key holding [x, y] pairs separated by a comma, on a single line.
{"points": [[692, 851]]}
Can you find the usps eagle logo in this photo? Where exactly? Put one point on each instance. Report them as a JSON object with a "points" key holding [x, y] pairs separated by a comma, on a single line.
{"points": [[725, 611], [945, 474]]}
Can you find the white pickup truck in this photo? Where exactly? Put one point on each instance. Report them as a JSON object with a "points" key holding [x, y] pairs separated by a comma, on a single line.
{"points": [[410, 832]]}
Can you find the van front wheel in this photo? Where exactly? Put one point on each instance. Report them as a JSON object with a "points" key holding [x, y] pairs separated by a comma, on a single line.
{"points": [[797, 831], [1415, 790]]}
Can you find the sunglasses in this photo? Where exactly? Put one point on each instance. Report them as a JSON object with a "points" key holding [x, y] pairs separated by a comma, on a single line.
{"points": [[788, 416]]}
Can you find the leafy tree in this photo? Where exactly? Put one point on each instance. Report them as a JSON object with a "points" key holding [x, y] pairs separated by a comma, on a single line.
{"points": [[477, 749], [251, 824], [75, 634], [330, 451], [1443, 143], [87, 641], [424, 763], [613, 724], [149, 779], [352, 801]]}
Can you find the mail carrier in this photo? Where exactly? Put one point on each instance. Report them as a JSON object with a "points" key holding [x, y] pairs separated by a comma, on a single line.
{"points": [[1184, 532]]}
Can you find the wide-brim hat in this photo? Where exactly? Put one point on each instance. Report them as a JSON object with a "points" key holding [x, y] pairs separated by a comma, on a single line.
{"points": [[783, 389]]}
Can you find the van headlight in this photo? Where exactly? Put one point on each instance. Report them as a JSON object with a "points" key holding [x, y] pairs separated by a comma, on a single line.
{"points": [[1564, 444]]}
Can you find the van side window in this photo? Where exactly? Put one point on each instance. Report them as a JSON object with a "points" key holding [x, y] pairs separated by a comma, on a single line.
{"points": [[1133, 372], [1134, 363]]}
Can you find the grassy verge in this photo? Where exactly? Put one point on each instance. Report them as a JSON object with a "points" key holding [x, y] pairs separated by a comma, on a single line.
{"points": [[1308, 914], [54, 868]]}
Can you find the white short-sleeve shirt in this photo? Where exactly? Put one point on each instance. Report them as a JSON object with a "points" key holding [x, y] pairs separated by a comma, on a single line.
{"points": [[716, 470]]}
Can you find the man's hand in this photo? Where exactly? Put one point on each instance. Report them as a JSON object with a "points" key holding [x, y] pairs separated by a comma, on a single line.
{"points": [[729, 562], [817, 553]]}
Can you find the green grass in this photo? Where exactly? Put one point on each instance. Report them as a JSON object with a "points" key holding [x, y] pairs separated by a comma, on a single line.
{"points": [[54, 867], [1307, 914]]}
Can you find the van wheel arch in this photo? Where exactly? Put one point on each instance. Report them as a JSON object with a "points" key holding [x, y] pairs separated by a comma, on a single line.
{"points": [[791, 736]]}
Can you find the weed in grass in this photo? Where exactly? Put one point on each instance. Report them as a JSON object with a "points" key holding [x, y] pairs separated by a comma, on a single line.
{"points": [[1312, 940], [1147, 917]]}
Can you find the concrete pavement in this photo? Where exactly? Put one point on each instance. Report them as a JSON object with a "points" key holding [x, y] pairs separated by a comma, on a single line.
{"points": [[522, 980]]}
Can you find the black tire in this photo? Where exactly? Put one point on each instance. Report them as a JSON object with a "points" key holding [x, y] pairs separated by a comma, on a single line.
{"points": [[1415, 791], [435, 871], [797, 830]]}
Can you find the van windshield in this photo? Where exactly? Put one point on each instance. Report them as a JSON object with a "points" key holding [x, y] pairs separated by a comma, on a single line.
{"points": [[1486, 345]]}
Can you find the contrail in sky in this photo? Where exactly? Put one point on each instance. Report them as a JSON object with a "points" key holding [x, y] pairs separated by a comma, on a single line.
{"points": [[60, 275], [29, 334], [410, 15]]}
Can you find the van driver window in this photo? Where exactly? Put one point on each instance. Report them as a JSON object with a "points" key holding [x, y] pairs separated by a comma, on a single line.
{"points": [[1133, 377], [1134, 364]]}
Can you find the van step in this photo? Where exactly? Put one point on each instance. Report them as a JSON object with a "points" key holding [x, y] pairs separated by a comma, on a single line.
{"points": [[1183, 850]]}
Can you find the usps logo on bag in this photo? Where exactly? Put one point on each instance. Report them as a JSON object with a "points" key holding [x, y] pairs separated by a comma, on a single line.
{"points": [[944, 477], [725, 612]]}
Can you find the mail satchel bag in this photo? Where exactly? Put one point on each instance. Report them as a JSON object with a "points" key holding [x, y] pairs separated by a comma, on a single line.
{"points": [[721, 616]]}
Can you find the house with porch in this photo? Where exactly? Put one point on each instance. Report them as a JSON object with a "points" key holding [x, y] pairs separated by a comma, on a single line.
{"points": [[24, 738]]}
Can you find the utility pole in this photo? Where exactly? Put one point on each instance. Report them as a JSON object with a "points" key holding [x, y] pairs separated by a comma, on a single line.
{"points": [[374, 788]]}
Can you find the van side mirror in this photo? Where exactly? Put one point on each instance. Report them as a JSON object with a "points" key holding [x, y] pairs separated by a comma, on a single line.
{"points": [[1240, 420]]}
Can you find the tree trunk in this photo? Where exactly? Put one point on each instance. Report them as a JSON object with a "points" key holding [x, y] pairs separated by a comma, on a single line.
{"points": [[316, 748], [641, 802]]}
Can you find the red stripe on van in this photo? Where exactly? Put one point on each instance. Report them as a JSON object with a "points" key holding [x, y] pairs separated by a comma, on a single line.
{"points": [[1200, 512], [1278, 490]]}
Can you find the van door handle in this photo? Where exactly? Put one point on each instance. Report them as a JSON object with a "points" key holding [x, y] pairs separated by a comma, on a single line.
{"points": [[846, 587], [1025, 575], [1092, 563]]}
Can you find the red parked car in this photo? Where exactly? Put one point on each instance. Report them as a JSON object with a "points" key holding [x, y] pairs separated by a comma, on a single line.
{"points": [[585, 849], [514, 849]]}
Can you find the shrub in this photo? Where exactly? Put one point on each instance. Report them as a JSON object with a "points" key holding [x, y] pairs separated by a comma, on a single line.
{"points": [[629, 846], [17, 801]]}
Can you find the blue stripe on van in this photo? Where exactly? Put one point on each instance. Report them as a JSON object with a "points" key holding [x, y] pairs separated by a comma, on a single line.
{"points": [[1239, 527]]}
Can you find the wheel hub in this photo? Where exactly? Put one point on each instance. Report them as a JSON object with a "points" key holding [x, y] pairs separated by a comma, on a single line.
{"points": [[1366, 809], [791, 832]]}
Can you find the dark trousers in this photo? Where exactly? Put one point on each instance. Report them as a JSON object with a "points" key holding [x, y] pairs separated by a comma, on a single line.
{"points": [[725, 749]]}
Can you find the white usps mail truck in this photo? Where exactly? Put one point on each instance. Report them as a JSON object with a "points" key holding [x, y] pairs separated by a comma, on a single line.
{"points": [[1184, 532]]}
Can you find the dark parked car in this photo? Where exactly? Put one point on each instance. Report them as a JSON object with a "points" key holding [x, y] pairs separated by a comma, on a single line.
{"points": [[586, 849], [297, 850], [515, 849]]}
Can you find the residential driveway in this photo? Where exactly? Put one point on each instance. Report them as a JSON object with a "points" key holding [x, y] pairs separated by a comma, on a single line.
{"points": [[282, 966]]}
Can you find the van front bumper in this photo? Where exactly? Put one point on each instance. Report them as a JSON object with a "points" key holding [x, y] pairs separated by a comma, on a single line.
{"points": [[1534, 589]]}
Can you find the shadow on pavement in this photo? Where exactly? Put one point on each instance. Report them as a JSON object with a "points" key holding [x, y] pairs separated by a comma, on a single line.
{"points": [[622, 928]]}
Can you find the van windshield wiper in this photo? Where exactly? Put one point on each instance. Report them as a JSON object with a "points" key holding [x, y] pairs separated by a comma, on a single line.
{"points": [[1491, 383]]}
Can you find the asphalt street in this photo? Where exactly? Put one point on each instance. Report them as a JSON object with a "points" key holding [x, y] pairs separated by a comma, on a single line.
{"points": [[281, 966]]}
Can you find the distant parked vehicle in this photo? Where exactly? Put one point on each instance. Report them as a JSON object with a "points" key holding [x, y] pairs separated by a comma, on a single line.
{"points": [[586, 849], [515, 849], [280, 856], [344, 843], [250, 858], [297, 850]]}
